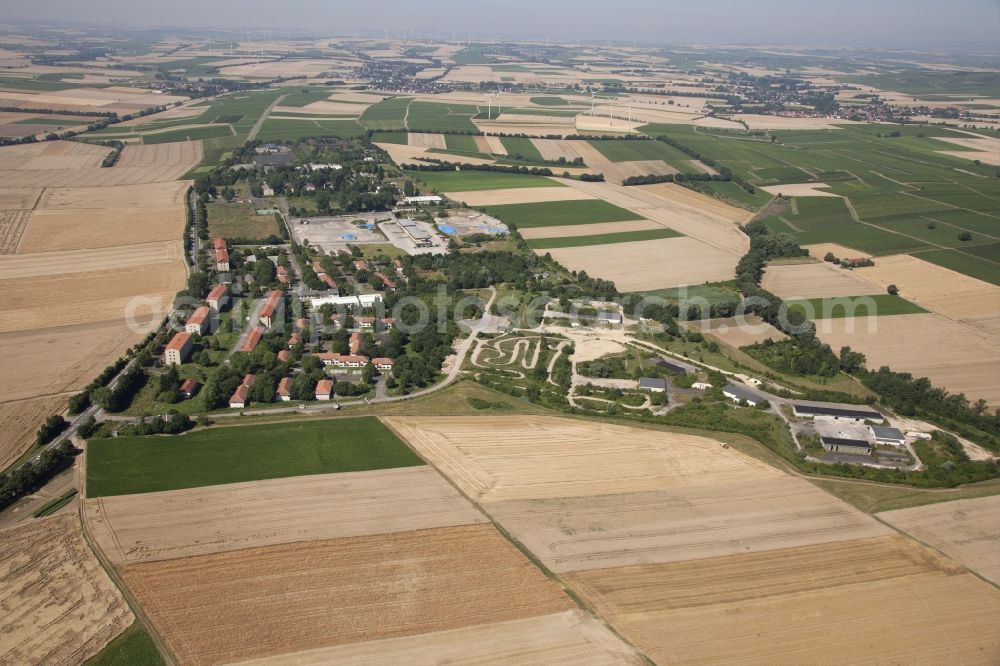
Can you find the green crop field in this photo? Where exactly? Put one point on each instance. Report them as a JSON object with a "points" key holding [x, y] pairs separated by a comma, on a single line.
{"points": [[387, 114], [546, 100], [192, 134], [469, 181], [816, 213], [435, 117], [62, 121], [519, 148], [560, 213], [130, 648], [963, 262], [399, 138], [602, 239], [35, 85], [713, 293], [305, 96], [629, 150], [881, 305], [293, 130], [462, 142], [216, 456], [732, 193], [535, 111]]}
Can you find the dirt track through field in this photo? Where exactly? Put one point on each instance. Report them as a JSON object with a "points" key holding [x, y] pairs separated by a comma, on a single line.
{"points": [[530, 457], [967, 530], [181, 523], [840, 603], [59, 606], [214, 609], [570, 637]]}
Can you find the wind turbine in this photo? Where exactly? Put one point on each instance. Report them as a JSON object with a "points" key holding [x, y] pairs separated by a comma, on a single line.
{"points": [[489, 105], [613, 111], [591, 101], [499, 92]]}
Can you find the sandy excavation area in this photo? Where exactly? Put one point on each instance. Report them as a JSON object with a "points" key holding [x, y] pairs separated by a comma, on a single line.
{"points": [[181, 523], [214, 609], [59, 606], [942, 290], [652, 264], [681, 523], [518, 195], [951, 355], [534, 457], [833, 604], [815, 280], [570, 637], [967, 530]]}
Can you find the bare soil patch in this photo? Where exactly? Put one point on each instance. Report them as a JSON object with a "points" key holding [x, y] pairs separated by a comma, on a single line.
{"points": [[815, 280], [260, 602], [18, 197], [967, 530], [570, 637], [59, 605], [532, 457], [181, 523], [800, 190], [839, 603]]}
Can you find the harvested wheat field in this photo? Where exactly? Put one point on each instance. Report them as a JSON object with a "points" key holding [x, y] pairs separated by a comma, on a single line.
{"points": [[19, 420], [59, 606], [553, 149], [799, 190], [409, 154], [181, 523], [12, 226], [77, 261], [518, 195], [815, 280], [214, 609], [653, 264], [956, 357], [684, 197], [739, 332], [51, 155], [819, 250], [60, 359], [967, 530], [98, 295], [839, 603], [142, 196], [942, 290], [570, 637], [51, 230], [493, 145], [597, 229], [531, 457], [176, 158], [19, 197], [426, 140], [770, 512]]}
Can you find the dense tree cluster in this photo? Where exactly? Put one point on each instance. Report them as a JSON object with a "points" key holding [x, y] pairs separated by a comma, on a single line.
{"points": [[33, 475]]}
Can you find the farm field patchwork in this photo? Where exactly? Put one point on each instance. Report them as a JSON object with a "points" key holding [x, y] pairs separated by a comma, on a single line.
{"points": [[212, 519], [811, 604], [281, 129], [387, 114], [59, 604], [963, 529], [965, 262], [440, 117], [125, 465], [234, 606]]}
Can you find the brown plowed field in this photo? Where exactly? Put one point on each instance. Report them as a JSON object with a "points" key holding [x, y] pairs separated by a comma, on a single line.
{"points": [[494, 458], [51, 230], [181, 523], [967, 530], [59, 606], [570, 637], [729, 518], [886, 600], [19, 422], [214, 609]]}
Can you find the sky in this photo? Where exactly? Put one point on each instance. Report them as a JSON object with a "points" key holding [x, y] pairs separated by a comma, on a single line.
{"points": [[970, 25]]}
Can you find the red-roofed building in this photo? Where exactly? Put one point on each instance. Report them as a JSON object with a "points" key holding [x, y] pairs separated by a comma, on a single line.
{"points": [[285, 389], [284, 356], [189, 387], [389, 284], [294, 339], [218, 297], [270, 309], [302, 324], [221, 255], [383, 363], [324, 389], [178, 348], [199, 320], [357, 343], [362, 265], [241, 396], [253, 340], [282, 275], [329, 282]]}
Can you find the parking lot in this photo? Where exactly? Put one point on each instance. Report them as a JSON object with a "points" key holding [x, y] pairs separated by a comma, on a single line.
{"points": [[336, 233]]}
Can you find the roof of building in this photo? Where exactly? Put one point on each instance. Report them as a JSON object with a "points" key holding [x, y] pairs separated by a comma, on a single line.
{"points": [[179, 341], [218, 291], [220, 244], [609, 315], [343, 358], [673, 366], [240, 395], [253, 340], [271, 305], [884, 432], [383, 360], [324, 387], [744, 394], [843, 441], [652, 383], [830, 410], [284, 355], [285, 386], [189, 385], [200, 315]]}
